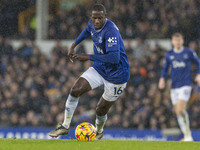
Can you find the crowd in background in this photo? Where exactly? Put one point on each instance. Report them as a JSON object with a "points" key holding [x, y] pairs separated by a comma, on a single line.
{"points": [[135, 18], [34, 88], [9, 11]]}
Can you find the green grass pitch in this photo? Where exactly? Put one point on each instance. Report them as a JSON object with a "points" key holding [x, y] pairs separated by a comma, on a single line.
{"points": [[37, 144]]}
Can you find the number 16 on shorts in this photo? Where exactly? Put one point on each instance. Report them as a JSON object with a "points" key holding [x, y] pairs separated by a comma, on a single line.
{"points": [[113, 91], [118, 90]]}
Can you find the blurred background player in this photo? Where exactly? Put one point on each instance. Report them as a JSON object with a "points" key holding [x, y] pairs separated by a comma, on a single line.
{"points": [[110, 68], [179, 59]]}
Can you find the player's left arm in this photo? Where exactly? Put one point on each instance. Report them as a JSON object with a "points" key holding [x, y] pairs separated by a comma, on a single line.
{"points": [[111, 57], [195, 58]]}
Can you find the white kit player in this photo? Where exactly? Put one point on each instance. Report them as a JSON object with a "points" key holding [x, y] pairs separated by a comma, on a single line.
{"points": [[179, 59]]}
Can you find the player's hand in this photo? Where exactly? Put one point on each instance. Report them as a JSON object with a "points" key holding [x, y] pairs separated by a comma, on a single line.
{"points": [[161, 84], [197, 79], [72, 52], [82, 57]]}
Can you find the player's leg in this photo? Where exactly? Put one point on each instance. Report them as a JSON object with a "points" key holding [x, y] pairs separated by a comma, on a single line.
{"points": [[102, 109], [179, 109], [183, 119], [80, 87], [110, 95], [181, 113], [90, 79]]}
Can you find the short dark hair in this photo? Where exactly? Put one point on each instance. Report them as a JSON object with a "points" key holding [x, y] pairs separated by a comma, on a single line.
{"points": [[99, 7], [177, 34]]}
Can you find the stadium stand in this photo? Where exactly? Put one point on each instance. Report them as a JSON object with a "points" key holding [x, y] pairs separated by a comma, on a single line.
{"points": [[34, 88], [137, 18]]}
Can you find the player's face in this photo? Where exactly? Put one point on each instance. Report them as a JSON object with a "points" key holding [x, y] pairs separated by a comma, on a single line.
{"points": [[177, 42], [98, 19]]}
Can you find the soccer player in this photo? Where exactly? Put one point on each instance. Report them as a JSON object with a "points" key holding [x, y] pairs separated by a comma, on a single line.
{"points": [[110, 68], [179, 59]]}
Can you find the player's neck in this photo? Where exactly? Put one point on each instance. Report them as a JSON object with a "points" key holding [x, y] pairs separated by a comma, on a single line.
{"points": [[178, 49]]}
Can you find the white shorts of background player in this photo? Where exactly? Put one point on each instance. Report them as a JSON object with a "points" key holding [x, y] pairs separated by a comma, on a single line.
{"points": [[182, 93]]}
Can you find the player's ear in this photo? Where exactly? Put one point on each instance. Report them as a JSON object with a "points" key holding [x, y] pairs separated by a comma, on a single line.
{"points": [[104, 16], [90, 15], [183, 40]]}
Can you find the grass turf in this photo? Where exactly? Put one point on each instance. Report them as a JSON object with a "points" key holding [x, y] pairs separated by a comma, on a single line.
{"points": [[37, 144]]}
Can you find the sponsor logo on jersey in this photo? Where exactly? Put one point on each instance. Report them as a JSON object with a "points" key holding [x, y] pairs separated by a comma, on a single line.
{"points": [[99, 50], [112, 41], [178, 64]]}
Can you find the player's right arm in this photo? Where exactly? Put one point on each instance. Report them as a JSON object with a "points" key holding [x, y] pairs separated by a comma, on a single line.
{"points": [[195, 58], [84, 34], [161, 84]]}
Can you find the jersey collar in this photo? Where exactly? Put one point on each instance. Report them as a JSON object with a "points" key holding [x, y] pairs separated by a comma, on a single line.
{"points": [[178, 51], [102, 27]]}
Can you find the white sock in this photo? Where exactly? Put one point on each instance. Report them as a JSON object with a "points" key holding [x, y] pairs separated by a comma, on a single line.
{"points": [[100, 122], [188, 131], [70, 107], [184, 124]]}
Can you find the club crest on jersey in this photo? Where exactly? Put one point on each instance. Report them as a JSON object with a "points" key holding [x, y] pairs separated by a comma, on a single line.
{"points": [[185, 56], [112, 41], [100, 39]]}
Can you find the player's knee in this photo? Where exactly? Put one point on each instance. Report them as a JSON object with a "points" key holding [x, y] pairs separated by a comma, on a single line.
{"points": [[101, 111], [75, 92]]}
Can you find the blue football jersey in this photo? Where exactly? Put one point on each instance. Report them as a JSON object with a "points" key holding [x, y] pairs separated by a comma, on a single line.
{"points": [[105, 40], [180, 63]]}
